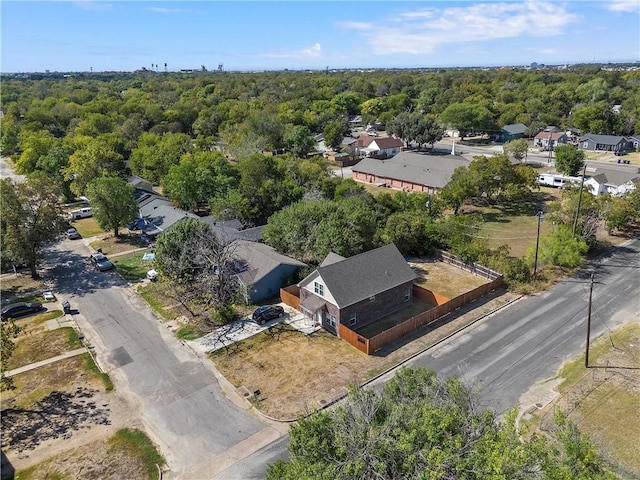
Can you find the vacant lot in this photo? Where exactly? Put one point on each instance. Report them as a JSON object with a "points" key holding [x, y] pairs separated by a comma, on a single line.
{"points": [[112, 245], [87, 227], [296, 374], [604, 400]]}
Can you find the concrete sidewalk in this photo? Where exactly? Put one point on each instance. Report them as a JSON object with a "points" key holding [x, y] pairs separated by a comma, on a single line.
{"points": [[31, 366]]}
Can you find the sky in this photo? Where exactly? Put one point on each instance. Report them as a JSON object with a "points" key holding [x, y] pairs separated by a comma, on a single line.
{"points": [[110, 35]]}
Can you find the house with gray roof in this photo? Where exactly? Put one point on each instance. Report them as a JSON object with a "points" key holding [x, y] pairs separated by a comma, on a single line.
{"points": [[263, 270], [612, 182], [604, 143], [358, 290], [409, 171], [512, 132]]}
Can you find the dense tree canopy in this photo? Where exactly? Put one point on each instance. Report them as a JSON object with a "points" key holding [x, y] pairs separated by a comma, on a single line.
{"points": [[112, 202], [424, 427]]}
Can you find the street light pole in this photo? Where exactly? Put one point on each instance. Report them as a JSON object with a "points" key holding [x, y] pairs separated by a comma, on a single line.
{"points": [[535, 262]]}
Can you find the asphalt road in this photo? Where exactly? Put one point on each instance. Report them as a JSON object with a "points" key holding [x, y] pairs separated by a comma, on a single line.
{"points": [[510, 352], [178, 397]]}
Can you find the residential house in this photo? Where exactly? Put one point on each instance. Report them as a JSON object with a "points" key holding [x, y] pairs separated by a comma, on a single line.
{"points": [[380, 147], [550, 140], [613, 182], [634, 141], [358, 290], [604, 143], [156, 214], [512, 132], [263, 271], [409, 171]]}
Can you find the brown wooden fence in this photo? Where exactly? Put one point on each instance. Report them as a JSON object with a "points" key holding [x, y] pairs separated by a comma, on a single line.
{"points": [[428, 296], [378, 341], [291, 296]]}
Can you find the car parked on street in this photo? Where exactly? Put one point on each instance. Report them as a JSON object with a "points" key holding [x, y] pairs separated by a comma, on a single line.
{"points": [[101, 262], [16, 310], [72, 234], [267, 312]]}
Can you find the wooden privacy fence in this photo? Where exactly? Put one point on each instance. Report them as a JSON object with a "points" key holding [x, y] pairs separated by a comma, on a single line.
{"points": [[291, 296], [370, 345], [471, 267]]}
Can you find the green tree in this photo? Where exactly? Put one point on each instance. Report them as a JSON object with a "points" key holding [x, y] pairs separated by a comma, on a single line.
{"points": [[467, 117], [333, 134], [459, 189], [112, 202], [559, 248], [31, 215], [517, 149], [408, 231], [423, 426], [298, 140], [9, 331], [569, 159], [155, 154]]}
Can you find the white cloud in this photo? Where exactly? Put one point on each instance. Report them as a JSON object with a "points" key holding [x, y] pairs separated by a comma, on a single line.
{"points": [[632, 6], [422, 31], [314, 51]]}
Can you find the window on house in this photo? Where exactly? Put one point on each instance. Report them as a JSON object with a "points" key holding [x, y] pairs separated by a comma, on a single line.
{"points": [[331, 320], [407, 296], [372, 298], [318, 288], [353, 318]]}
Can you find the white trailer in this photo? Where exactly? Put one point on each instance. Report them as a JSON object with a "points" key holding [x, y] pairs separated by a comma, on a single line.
{"points": [[557, 181]]}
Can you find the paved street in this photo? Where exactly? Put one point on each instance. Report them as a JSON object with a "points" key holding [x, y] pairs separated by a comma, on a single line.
{"points": [[179, 399], [526, 343]]}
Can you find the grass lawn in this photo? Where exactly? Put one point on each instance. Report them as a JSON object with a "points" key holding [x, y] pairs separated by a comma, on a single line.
{"points": [[604, 400], [18, 285], [131, 266], [87, 227], [112, 245], [35, 343]]}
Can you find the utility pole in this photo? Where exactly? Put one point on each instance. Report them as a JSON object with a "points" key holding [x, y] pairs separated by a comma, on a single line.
{"points": [[535, 262], [575, 220], [550, 148], [586, 351]]}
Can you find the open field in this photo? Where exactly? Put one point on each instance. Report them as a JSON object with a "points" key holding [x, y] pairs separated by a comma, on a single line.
{"points": [[604, 400], [131, 266]]}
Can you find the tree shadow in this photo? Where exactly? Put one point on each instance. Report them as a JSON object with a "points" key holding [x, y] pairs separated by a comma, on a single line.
{"points": [[56, 416]]}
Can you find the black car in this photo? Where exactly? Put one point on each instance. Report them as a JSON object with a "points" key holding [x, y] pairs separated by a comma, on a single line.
{"points": [[19, 309], [101, 262], [268, 312]]}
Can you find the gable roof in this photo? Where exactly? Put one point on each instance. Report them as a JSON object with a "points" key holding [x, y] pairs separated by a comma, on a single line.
{"points": [[365, 275], [364, 141], [515, 129], [423, 169], [553, 135], [386, 142], [259, 260], [160, 215], [615, 177], [603, 139], [331, 258]]}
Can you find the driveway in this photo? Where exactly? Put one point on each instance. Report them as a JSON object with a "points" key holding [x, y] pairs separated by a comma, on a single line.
{"points": [[246, 327], [175, 392]]}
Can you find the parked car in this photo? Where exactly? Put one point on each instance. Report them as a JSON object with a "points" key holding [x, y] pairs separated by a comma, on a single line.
{"points": [[267, 312], [19, 309], [101, 262], [72, 234]]}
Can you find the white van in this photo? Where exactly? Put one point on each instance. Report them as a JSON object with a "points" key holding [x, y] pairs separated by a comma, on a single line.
{"points": [[80, 213]]}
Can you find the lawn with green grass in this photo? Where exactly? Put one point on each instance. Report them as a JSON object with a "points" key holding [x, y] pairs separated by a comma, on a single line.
{"points": [[132, 267], [87, 227]]}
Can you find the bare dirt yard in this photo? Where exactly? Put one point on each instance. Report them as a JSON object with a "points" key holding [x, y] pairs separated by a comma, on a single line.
{"points": [[63, 420], [604, 400], [444, 278], [296, 373]]}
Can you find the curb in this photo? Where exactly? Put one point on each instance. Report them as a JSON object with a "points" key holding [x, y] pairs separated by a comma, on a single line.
{"points": [[390, 369]]}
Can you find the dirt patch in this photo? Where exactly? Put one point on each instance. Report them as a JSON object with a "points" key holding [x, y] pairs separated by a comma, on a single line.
{"points": [[296, 374], [444, 278], [16, 285]]}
